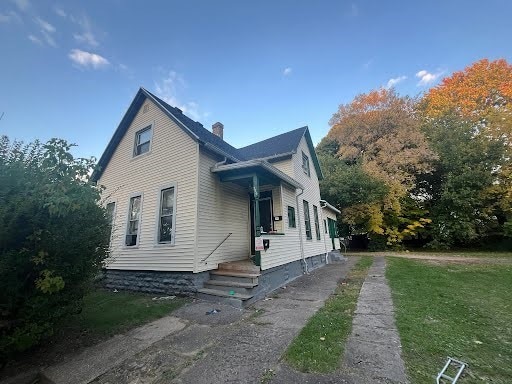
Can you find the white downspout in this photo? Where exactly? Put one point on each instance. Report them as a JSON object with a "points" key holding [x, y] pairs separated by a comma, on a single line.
{"points": [[304, 263]]}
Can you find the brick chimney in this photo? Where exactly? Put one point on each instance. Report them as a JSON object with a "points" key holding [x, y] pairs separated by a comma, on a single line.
{"points": [[218, 130]]}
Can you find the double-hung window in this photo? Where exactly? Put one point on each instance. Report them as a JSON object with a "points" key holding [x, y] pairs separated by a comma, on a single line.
{"points": [[317, 223], [307, 220], [111, 211], [291, 217], [132, 230], [142, 141], [305, 164], [166, 218]]}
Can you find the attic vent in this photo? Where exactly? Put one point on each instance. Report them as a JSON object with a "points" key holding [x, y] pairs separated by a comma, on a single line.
{"points": [[145, 108]]}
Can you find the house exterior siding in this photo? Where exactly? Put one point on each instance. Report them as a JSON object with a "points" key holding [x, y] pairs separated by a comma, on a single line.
{"points": [[223, 209], [329, 214], [171, 160]]}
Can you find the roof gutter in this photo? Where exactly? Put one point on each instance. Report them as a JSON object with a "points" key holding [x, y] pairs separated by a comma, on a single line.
{"points": [[329, 206]]}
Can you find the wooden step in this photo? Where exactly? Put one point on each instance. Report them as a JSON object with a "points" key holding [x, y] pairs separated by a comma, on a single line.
{"points": [[239, 266], [237, 284], [220, 293]]}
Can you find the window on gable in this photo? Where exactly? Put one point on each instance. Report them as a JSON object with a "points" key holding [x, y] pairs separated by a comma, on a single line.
{"points": [[132, 230], [166, 216], [142, 141], [305, 164], [291, 217], [317, 224], [307, 220]]}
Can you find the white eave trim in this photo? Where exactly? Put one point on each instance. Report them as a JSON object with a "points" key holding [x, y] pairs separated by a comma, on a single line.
{"points": [[258, 163]]}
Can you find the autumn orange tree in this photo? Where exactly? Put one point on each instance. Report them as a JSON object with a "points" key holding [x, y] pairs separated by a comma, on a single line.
{"points": [[476, 103], [380, 132]]}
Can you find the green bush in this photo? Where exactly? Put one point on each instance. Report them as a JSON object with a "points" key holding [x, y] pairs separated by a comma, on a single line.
{"points": [[53, 239]]}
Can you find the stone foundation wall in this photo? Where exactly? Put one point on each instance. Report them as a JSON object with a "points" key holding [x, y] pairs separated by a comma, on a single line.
{"points": [[166, 283]]}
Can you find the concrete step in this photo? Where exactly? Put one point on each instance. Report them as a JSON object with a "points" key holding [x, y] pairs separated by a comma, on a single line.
{"points": [[228, 288], [239, 266], [248, 275], [227, 283], [221, 293]]}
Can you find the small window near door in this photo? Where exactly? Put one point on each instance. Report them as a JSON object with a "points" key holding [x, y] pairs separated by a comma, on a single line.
{"points": [[325, 225], [142, 141], [132, 230], [307, 221], [305, 164], [317, 223], [166, 216], [291, 217]]}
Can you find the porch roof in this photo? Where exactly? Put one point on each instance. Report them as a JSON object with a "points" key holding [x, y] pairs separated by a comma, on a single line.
{"points": [[329, 206], [237, 172]]}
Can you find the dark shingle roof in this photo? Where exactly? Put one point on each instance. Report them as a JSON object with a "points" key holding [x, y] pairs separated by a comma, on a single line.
{"points": [[284, 143], [277, 145], [199, 131]]}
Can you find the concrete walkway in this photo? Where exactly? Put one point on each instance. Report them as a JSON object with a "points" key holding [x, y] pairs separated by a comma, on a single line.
{"points": [[373, 350], [232, 346], [372, 353]]}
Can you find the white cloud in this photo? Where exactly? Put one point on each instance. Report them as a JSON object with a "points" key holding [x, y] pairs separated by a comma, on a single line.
{"points": [[22, 5], [10, 16], [287, 71], [86, 36], [60, 12], [427, 77], [35, 40], [168, 89], [395, 80], [45, 26], [88, 59], [49, 38]]}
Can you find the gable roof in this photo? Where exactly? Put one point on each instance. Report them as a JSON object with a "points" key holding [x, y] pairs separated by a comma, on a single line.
{"points": [[284, 144]]}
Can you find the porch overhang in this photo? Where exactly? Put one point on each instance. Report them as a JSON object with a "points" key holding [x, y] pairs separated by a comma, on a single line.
{"points": [[325, 204], [242, 173]]}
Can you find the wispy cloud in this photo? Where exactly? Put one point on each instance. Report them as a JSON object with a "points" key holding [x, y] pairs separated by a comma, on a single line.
{"points": [[23, 5], [354, 10], [9, 17], [86, 36], [287, 71], [395, 80], [168, 88], [426, 77], [35, 40], [60, 12], [45, 26], [367, 64], [86, 59]]}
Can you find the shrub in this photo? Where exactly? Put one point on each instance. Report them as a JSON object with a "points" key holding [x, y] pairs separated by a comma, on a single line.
{"points": [[53, 239]]}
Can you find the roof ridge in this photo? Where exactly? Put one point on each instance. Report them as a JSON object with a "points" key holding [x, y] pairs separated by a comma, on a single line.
{"points": [[274, 137]]}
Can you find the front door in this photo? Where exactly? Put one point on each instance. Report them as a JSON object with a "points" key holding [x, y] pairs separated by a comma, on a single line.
{"points": [[266, 216], [332, 231]]}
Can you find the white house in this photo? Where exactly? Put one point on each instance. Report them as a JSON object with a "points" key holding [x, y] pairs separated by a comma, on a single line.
{"points": [[191, 213]]}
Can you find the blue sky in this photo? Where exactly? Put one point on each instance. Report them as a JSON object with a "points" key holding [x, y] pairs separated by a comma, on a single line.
{"points": [[70, 69]]}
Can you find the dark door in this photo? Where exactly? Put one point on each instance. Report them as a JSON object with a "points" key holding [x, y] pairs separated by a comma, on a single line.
{"points": [[266, 216]]}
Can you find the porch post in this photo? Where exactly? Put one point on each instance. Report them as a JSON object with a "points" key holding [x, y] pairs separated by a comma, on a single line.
{"points": [[257, 228]]}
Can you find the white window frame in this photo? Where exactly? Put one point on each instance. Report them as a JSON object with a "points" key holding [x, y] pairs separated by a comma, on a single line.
{"points": [[128, 220], [294, 216], [317, 223], [305, 164], [307, 214], [114, 213], [137, 134], [158, 243]]}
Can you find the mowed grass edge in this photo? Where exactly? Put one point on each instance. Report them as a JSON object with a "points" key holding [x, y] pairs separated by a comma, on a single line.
{"points": [[320, 344], [461, 311]]}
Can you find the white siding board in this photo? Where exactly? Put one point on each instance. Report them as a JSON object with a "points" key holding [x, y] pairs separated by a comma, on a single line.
{"points": [[173, 158], [223, 208]]}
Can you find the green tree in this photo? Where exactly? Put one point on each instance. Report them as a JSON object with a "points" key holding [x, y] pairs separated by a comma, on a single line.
{"points": [[54, 238], [460, 191]]}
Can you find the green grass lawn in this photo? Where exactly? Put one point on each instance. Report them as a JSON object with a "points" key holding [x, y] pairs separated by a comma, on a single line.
{"points": [[106, 312], [461, 311], [332, 323]]}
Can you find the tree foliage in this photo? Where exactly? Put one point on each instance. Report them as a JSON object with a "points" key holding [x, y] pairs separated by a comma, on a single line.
{"points": [[380, 132], [53, 239]]}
